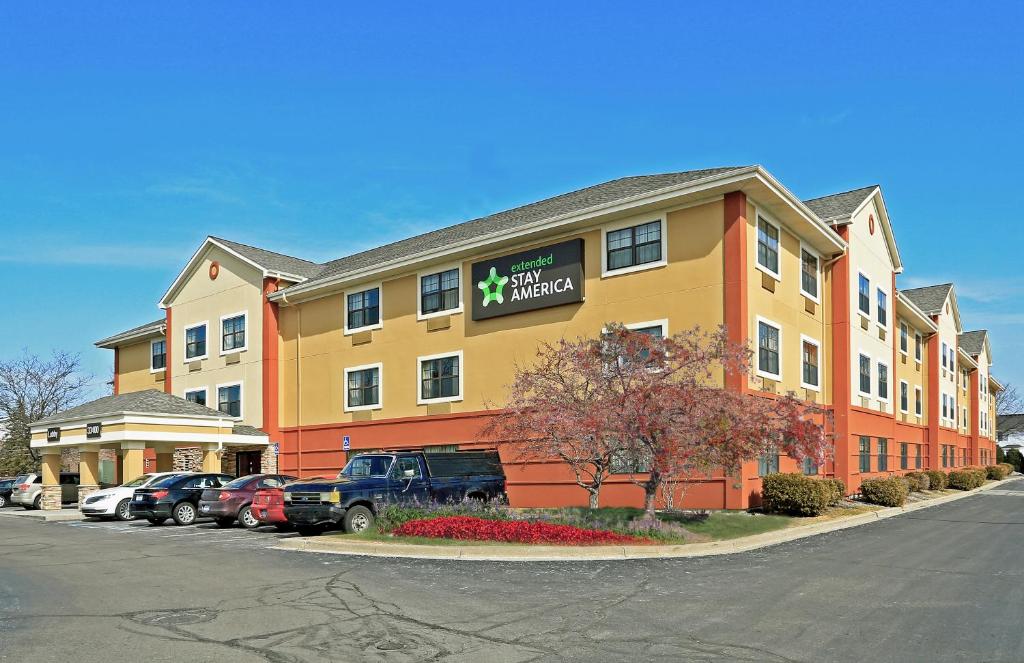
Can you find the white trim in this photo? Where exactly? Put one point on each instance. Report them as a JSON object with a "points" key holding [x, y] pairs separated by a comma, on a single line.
{"points": [[153, 436], [899, 339], [379, 286], [813, 341], [419, 378], [857, 291], [380, 387], [888, 380], [420, 315], [184, 342], [206, 394], [871, 375], [241, 399], [816, 297], [888, 299], [904, 410], [151, 342], [663, 323], [631, 222], [757, 354], [758, 216], [220, 333]]}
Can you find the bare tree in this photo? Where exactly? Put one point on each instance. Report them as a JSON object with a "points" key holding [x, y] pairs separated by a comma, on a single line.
{"points": [[31, 388], [1008, 402]]}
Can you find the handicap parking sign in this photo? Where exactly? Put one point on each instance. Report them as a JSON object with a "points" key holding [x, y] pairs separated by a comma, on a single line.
{"points": [[277, 448], [346, 443]]}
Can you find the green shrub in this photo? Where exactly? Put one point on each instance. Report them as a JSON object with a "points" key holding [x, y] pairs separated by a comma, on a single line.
{"points": [[917, 481], [837, 489], [965, 479], [1007, 466], [393, 516], [885, 491], [997, 472], [795, 494], [937, 479]]}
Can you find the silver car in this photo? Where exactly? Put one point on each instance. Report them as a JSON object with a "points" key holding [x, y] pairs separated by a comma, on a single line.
{"points": [[28, 489]]}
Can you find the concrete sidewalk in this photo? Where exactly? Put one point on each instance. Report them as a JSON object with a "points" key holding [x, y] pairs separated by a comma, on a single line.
{"points": [[532, 553], [43, 515]]}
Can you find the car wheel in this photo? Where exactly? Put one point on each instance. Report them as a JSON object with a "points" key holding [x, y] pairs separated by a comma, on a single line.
{"points": [[3, 501], [358, 519], [124, 510], [37, 503], [247, 518], [184, 514], [156, 521], [224, 522]]}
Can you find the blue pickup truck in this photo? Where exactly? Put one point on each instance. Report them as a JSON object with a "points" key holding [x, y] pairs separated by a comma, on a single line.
{"points": [[370, 481]]}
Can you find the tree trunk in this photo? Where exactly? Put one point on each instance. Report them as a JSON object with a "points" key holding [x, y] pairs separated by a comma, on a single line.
{"points": [[651, 493], [594, 494]]}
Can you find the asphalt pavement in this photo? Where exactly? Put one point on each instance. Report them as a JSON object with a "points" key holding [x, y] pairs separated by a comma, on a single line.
{"points": [[939, 584]]}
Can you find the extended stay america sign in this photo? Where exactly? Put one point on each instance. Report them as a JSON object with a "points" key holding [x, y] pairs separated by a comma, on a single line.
{"points": [[547, 276]]}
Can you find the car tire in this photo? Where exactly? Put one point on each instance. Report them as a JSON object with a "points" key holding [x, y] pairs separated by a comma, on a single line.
{"points": [[37, 503], [308, 530], [224, 522], [3, 501], [358, 519], [156, 521], [184, 513], [123, 510], [247, 518]]}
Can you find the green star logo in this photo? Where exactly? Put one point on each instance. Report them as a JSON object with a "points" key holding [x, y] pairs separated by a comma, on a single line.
{"points": [[492, 287]]}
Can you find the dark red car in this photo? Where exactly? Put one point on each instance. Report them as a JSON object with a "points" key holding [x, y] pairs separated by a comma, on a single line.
{"points": [[268, 507], [233, 501]]}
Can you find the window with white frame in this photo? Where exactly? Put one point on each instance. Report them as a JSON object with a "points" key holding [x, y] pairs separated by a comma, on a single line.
{"points": [[768, 246], [918, 401], [865, 374], [232, 333], [809, 273], [229, 399], [362, 387], [197, 396], [769, 336], [158, 355], [362, 309], [883, 308], [439, 292], [904, 338], [904, 396], [918, 343], [944, 355], [634, 246], [864, 295], [195, 342], [883, 381], [809, 358], [440, 378]]}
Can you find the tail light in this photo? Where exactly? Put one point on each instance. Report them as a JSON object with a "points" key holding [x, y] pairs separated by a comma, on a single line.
{"points": [[23, 486], [159, 494], [224, 495]]}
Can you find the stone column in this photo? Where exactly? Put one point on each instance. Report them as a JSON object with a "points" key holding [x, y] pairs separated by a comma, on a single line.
{"points": [[165, 462], [211, 458], [134, 462], [89, 474], [51, 479]]}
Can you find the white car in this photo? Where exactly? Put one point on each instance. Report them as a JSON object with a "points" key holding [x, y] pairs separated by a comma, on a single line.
{"points": [[114, 502]]}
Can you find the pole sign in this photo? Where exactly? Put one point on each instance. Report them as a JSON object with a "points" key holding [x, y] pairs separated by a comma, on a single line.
{"points": [[346, 443], [92, 431], [276, 446], [53, 434], [529, 280]]}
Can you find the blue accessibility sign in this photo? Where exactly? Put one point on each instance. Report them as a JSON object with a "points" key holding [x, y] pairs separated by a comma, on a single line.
{"points": [[346, 443]]}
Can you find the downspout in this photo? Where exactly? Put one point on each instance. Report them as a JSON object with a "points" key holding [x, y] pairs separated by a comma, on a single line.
{"points": [[298, 391]]}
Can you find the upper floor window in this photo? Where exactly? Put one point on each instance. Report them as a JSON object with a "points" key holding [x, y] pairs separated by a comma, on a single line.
{"points": [[158, 355], [865, 374], [362, 309], [918, 401], [440, 292], [883, 381], [809, 359], [229, 399], [768, 246], [904, 396], [944, 355], [768, 349], [904, 338], [809, 273], [362, 387], [918, 342], [232, 333], [195, 342], [883, 308], [633, 246], [197, 396], [864, 295], [440, 378]]}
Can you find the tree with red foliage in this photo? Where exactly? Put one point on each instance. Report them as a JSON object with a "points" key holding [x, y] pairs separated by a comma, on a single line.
{"points": [[656, 403]]}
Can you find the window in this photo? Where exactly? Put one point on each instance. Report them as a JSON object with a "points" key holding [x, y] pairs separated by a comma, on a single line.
{"points": [[918, 405], [654, 328], [904, 338], [810, 467], [197, 396], [232, 333], [195, 342], [809, 274], [158, 355], [809, 359], [865, 453], [440, 292], [865, 375], [945, 456], [768, 349], [904, 396], [917, 457], [440, 378], [864, 295], [903, 456], [362, 387], [633, 246], [229, 399], [768, 246], [917, 348], [629, 461], [406, 467], [362, 309], [945, 407], [767, 464], [883, 381], [883, 454], [883, 308]]}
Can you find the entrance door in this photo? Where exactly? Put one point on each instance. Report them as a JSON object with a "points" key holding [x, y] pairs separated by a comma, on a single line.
{"points": [[247, 462]]}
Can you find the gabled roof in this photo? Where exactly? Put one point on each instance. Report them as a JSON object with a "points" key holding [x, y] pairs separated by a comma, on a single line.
{"points": [[150, 401], [839, 207], [909, 310], [155, 328], [973, 342], [1010, 423], [930, 298]]}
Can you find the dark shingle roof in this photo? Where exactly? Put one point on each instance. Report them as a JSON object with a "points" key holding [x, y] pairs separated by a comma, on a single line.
{"points": [[839, 206], [1010, 423], [141, 330], [929, 298], [271, 261], [972, 342], [242, 429], [150, 401]]}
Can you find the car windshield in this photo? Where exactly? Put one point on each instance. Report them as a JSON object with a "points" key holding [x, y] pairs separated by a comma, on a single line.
{"points": [[367, 465], [21, 478], [138, 481], [240, 481]]}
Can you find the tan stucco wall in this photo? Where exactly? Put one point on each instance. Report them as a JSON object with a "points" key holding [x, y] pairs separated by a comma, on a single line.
{"points": [[687, 291], [133, 369], [914, 373], [238, 288]]}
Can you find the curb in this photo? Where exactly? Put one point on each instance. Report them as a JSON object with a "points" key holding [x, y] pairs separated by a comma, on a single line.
{"points": [[48, 516], [528, 553]]}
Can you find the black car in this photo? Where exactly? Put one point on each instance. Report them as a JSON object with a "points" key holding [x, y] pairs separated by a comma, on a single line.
{"points": [[175, 497], [6, 488]]}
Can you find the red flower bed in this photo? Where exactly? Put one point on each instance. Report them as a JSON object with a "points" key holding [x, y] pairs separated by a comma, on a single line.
{"points": [[510, 531]]}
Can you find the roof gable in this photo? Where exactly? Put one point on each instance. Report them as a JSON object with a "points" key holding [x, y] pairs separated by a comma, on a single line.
{"points": [[841, 208], [974, 342], [932, 300]]}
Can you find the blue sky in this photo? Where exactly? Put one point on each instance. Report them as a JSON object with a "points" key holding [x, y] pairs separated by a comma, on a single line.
{"points": [[130, 131]]}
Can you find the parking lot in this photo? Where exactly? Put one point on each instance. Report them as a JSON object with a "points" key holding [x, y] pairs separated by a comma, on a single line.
{"points": [[204, 533]]}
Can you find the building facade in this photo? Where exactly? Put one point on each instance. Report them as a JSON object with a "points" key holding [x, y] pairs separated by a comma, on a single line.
{"points": [[410, 345]]}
